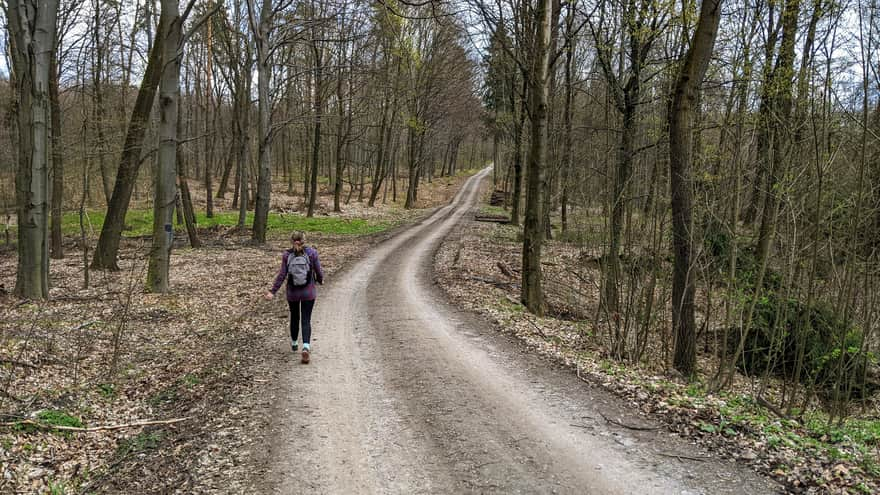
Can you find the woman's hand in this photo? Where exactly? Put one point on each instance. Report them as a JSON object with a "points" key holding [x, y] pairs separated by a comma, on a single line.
{"points": [[268, 295]]}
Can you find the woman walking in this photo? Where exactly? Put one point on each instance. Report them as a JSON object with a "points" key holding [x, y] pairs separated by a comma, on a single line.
{"points": [[302, 269]]}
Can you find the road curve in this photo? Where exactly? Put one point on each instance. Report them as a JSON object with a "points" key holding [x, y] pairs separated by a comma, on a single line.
{"points": [[408, 395]]}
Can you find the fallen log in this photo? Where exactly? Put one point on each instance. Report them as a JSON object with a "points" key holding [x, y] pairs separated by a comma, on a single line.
{"points": [[492, 218]]}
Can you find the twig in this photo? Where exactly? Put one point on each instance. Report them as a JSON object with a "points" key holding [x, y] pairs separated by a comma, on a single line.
{"points": [[94, 428], [20, 364], [630, 427], [590, 427], [537, 328], [766, 404], [682, 456], [490, 281], [505, 270], [84, 325]]}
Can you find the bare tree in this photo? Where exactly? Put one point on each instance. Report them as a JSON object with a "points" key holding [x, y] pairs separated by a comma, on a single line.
{"points": [[166, 174], [32, 28], [533, 233], [681, 115]]}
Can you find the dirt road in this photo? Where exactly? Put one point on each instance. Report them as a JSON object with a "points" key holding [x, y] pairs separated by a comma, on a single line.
{"points": [[407, 395]]}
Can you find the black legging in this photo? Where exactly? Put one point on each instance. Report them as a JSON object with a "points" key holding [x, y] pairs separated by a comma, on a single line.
{"points": [[306, 319]]}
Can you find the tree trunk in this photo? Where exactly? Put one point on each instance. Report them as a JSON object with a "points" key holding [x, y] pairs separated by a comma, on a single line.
{"points": [[551, 168], [210, 124], [166, 173], [243, 99], [32, 40], [681, 124], [384, 140], [185, 205], [413, 167], [533, 233], [107, 250], [98, 121], [316, 143], [57, 248], [568, 142], [780, 107], [751, 210], [341, 136], [620, 184], [516, 196], [264, 181], [230, 162]]}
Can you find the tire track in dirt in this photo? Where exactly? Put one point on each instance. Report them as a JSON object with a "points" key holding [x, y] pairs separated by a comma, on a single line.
{"points": [[407, 395]]}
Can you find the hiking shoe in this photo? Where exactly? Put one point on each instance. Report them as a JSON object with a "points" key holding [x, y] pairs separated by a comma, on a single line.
{"points": [[305, 356], [294, 346]]}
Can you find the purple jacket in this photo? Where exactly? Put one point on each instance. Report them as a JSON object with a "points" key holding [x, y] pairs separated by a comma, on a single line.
{"points": [[307, 292]]}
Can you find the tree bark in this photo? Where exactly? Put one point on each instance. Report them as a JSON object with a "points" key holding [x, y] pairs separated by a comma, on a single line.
{"points": [[57, 247], [681, 125], [532, 295], [99, 111], [166, 173], [316, 142], [264, 181], [568, 142], [32, 41], [341, 136], [210, 123], [185, 199], [516, 194]]}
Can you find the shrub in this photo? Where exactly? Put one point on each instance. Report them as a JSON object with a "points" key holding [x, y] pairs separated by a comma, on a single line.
{"points": [[783, 330]]}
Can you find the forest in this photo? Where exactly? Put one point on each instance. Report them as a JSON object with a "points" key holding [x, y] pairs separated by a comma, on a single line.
{"points": [[710, 171]]}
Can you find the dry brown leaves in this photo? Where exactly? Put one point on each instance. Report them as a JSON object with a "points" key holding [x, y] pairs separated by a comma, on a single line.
{"points": [[112, 354], [474, 266]]}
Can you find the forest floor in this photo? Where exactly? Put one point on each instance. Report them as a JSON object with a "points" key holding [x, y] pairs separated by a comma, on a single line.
{"points": [[200, 359], [205, 361], [478, 267]]}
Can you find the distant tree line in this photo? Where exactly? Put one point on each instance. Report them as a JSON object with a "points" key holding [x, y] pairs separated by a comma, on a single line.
{"points": [[145, 100]]}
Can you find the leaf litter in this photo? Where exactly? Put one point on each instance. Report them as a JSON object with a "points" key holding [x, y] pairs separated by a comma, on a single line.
{"points": [[478, 265], [204, 358]]}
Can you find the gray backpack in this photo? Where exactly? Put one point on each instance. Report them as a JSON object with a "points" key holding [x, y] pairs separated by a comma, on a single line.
{"points": [[299, 269]]}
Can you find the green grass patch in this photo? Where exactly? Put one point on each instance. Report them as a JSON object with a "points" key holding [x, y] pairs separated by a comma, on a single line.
{"points": [[508, 305], [164, 396], [191, 380], [139, 443], [493, 211], [107, 390], [50, 417], [140, 223], [854, 440], [59, 418]]}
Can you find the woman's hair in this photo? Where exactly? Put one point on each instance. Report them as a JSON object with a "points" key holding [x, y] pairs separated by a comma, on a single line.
{"points": [[298, 236]]}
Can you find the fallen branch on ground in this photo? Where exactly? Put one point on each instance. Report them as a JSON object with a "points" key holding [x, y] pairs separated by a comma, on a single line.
{"points": [[492, 219], [683, 456], [94, 428], [537, 328], [767, 405], [497, 283], [629, 427], [505, 269]]}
